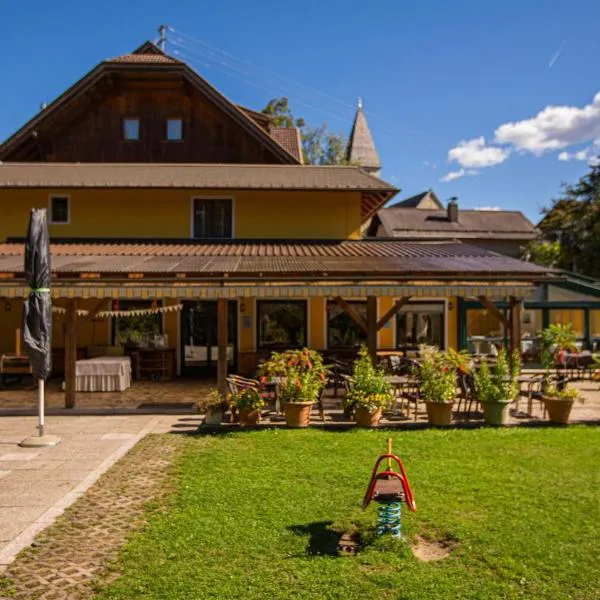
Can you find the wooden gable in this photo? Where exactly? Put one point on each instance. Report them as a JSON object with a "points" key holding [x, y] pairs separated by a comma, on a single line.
{"points": [[85, 124]]}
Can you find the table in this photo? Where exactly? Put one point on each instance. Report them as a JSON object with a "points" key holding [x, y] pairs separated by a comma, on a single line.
{"points": [[399, 383], [103, 374]]}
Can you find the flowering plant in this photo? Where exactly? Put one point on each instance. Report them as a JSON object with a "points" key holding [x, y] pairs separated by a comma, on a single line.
{"points": [[215, 401], [248, 397], [438, 375], [370, 388], [499, 384], [301, 374]]}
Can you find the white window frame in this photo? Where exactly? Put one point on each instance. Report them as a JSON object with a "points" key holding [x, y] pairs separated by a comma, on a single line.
{"points": [[51, 220], [424, 300], [123, 130], [193, 200]]}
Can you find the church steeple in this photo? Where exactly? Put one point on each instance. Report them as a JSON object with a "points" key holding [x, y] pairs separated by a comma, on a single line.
{"points": [[361, 148]]}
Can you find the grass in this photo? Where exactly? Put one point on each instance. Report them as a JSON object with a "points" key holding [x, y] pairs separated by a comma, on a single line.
{"points": [[253, 514]]}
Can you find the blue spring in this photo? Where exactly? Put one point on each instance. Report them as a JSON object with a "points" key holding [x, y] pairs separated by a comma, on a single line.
{"points": [[389, 519]]}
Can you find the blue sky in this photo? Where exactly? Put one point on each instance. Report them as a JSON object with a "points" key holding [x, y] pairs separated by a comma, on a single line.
{"points": [[435, 77]]}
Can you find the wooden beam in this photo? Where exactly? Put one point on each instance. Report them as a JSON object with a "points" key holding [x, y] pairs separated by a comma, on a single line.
{"points": [[70, 353], [372, 326], [393, 311], [222, 306], [494, 310], [351, 312], [515, 324]]}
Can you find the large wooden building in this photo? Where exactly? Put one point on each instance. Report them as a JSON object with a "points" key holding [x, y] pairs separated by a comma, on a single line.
{"points": [[163, 194]]}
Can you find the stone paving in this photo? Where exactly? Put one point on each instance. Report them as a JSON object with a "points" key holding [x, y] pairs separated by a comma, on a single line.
{"points": [[21, 396], [67, 559], [37, 484]]}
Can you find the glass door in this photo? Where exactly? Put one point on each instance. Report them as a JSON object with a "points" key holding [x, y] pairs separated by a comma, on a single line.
{"points": [[199, 344]]}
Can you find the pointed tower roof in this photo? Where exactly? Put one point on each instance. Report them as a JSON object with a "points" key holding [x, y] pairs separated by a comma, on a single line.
{"points": [[361, 148]]}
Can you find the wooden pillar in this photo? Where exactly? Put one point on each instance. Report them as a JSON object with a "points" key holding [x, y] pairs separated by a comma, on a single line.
{"points": [[70, 353], [372, 326], [222, 306], [515, 324]]}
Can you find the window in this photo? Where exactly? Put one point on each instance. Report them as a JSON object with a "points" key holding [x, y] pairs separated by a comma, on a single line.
{"points": [[131, 129], [212, 218], [281, 324], [136, 330], [174, 129], [343, 332], [485, 333], [420, 324], [59, 210]]}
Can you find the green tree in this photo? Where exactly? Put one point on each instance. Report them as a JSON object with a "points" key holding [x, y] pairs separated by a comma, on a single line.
{"points": [[543, 252], [281, 115], [571, 227], [319, 145]]}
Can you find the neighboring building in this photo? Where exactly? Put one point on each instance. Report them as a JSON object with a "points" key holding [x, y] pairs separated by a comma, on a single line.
{"points": [[162, 193], [414, 219], [575, 299]]}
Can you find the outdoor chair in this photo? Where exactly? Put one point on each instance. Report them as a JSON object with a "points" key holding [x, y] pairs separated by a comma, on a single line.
{"points": [[468, 393]]}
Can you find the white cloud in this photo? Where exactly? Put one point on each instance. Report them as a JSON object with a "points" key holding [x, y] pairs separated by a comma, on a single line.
{"points": [[475, 153], [553, 128], [584, 154], [430, 164], [458, 174], [493, 208]]}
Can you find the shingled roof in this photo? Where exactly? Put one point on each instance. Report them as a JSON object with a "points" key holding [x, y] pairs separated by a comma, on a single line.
{"points": [[289, 138], [361, 148], [412, 224]]}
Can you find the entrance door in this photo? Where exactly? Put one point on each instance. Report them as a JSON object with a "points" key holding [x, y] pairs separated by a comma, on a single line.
{"points": [[199, 344]]}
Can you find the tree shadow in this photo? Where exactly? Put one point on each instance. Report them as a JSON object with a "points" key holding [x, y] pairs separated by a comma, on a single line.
{"points": [[322, 540]]}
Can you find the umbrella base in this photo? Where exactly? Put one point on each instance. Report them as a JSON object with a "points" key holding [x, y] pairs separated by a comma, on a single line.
{"points": [[40, 441]]}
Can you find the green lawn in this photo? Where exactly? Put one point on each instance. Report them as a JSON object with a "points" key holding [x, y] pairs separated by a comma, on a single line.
{"points": [[252, 512]]}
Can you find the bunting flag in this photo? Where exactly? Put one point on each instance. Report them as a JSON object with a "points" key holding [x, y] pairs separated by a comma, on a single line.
{"points": [[124, 314]]}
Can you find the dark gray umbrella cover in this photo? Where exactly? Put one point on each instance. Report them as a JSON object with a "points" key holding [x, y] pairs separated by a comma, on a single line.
{"points": [[37, 311]]}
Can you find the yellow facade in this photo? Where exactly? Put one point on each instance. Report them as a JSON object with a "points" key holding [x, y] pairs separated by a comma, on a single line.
{"points": [[157, 213]]}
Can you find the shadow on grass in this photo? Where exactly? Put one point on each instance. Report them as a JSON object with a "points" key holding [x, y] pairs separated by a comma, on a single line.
{"points": [[322, 540]]}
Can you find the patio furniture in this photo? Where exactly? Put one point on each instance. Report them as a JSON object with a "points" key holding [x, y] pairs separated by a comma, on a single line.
{"points": [[103, 374], [12, 365], [467, 393]]}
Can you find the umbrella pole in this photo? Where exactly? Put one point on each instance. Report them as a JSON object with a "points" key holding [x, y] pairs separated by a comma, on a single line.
{"points": [[41, 391]]}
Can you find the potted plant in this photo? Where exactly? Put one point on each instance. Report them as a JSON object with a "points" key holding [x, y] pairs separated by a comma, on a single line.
{"points": [[438, 384], [559, 402], [557, 341], [370, 391], [214, 407], [248, 402], [301, 375], [497, 387]]}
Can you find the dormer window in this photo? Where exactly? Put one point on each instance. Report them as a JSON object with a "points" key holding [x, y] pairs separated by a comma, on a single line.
{"points": [[174, 130], [131, 129]]}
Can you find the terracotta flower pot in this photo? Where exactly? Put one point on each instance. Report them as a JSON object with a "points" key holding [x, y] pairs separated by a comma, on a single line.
{"points": [[558, 409], [439, 413], [297, 414], [249, 416], [366, 418], [495, 413]]}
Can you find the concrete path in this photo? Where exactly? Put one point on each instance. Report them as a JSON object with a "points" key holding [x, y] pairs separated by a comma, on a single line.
{"points": [[37, 484]]}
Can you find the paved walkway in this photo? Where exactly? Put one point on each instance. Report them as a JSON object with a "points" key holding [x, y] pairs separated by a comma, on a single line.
{"points": [[37, 484]]}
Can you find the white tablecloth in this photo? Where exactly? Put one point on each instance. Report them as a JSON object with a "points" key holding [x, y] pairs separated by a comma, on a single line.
{"points": [[103, 374]]}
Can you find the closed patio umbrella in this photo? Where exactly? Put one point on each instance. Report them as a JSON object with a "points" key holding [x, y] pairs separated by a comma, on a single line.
{"points": [[37, 315]]}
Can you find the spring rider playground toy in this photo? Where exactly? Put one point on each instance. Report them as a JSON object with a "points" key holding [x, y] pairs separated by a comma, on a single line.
{"points": [[389, 488]]}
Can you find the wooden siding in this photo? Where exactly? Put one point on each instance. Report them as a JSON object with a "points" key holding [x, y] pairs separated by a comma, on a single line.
{"points": [[92, 131]]}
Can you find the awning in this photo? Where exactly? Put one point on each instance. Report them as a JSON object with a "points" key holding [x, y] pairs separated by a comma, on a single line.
{"points": [[308, 290]]}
